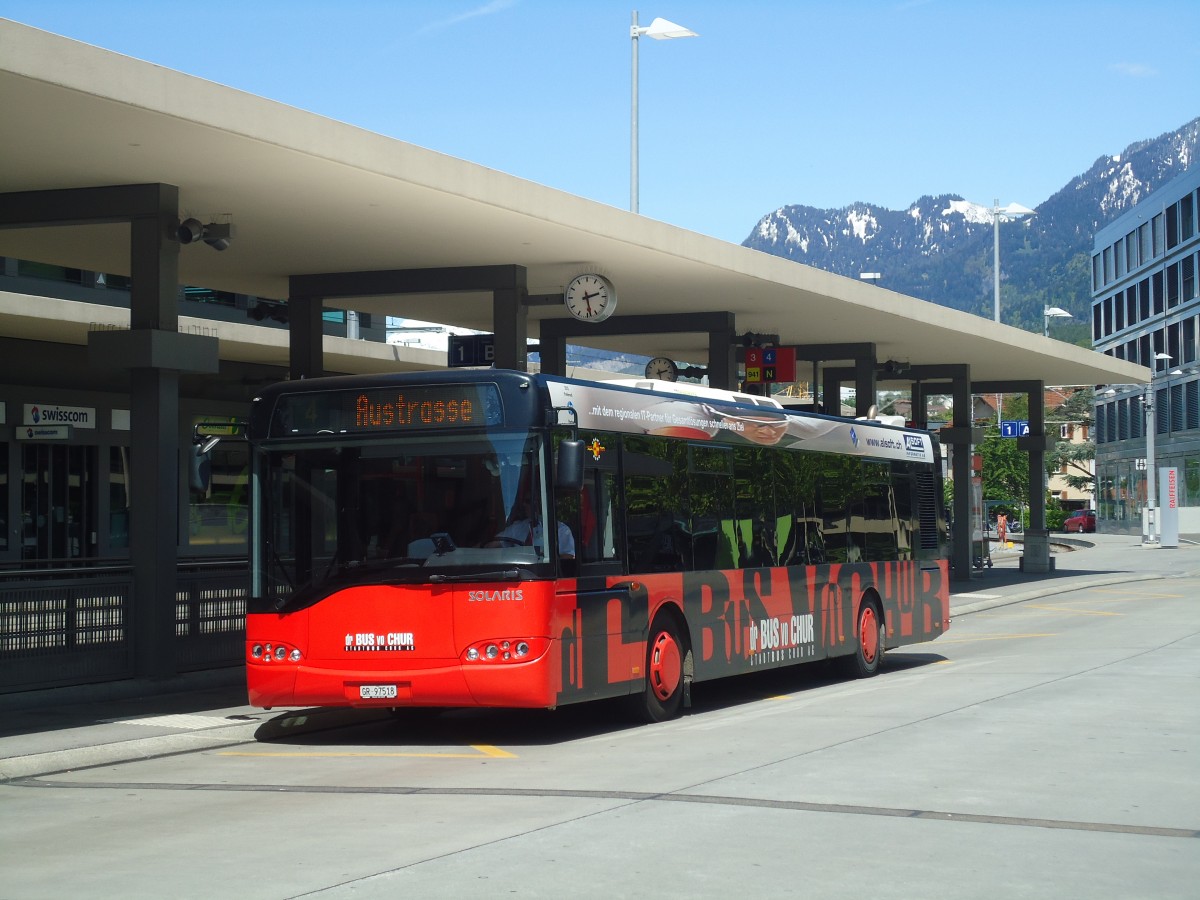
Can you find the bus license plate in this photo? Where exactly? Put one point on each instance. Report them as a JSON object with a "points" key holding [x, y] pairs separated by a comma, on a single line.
{"points": [[377, 691]]}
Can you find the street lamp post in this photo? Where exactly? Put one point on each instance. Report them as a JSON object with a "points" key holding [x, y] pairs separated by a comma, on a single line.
{"points": [[660, 30], [1012, 211], [1150, 521], [1053, 312]]}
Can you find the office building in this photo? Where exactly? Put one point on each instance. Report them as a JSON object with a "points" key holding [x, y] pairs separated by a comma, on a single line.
{"points": [[1145, 309]]}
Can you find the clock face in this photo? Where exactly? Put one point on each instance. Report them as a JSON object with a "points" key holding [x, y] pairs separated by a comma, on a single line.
{"points": [[662, 368], [590, 298]]}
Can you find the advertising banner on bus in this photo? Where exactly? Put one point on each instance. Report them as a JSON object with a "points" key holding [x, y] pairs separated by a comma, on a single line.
{"points": [[702, 418]]}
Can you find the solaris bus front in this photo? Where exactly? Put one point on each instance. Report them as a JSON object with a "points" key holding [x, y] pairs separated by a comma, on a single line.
{"points": [[404, 547]]}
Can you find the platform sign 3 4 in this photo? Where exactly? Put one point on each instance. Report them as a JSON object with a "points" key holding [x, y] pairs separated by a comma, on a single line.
{"points": [[769, 364]]}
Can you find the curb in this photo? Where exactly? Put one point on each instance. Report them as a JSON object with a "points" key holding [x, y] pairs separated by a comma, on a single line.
{"points": [[1049, 590], [57, 761], [283, 724]]}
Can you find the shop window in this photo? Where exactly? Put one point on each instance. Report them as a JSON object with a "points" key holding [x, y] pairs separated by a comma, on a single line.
{"points": [[4, 529], [118, 498], [1191, 483], [218, 512], [58, 502]]}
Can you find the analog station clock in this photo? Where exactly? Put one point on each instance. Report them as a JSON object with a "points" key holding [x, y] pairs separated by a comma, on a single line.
{"points": [[662, 368], [590, 297]]}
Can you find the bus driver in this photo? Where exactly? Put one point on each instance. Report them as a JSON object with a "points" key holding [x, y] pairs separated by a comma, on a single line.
{"points": [[525, 529]]}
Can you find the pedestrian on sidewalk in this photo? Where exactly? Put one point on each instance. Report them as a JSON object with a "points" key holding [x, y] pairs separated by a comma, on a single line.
{"points": [[1002, 529]]}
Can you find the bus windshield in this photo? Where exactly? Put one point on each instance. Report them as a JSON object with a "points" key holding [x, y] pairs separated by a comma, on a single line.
{"points": [[408, 510]]}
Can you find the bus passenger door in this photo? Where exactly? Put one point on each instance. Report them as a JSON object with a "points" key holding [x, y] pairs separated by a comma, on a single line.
{"points": [[592, 516]]}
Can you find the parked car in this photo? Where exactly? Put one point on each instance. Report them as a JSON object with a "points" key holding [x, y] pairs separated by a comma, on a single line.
{"points": [[1082, 521]]}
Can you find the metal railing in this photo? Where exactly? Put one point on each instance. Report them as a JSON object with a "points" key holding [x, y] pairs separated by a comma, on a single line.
{"points": [[70, 626]]}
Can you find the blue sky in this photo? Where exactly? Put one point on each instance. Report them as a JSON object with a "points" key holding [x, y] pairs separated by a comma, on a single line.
{"points": [[775, 103]]}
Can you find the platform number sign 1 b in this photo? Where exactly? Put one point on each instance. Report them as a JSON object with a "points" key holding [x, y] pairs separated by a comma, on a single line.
{"points": [[471, 350]]}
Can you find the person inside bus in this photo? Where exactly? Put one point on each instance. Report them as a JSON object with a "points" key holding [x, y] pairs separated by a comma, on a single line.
{"points": [[525, 529]]}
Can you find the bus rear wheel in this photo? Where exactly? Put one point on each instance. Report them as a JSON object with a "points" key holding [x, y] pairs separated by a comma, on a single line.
{"points": [[868, 649], [662, 697]]}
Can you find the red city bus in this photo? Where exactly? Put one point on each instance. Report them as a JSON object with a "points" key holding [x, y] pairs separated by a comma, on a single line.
{"points": [[493, 538]]}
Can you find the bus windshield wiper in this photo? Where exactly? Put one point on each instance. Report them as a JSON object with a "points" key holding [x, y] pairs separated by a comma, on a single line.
{"points": [[370, 565], [500, 575]]}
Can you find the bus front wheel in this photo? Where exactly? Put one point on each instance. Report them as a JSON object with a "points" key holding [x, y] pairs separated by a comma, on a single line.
{"points": [[662, 696]]}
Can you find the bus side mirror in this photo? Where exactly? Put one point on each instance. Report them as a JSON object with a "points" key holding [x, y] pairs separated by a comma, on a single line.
{"points": [[568, 473]]}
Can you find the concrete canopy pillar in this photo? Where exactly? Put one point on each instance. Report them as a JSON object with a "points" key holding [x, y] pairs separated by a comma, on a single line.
{"points": [[961, 437], [154, 352], [1035, 555], [510, 325]]}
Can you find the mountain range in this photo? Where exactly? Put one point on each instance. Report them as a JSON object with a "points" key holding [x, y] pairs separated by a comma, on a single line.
{"points": [[940, 248]]}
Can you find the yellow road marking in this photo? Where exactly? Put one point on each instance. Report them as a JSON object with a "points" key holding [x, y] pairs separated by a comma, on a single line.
{"points": [[1067, 609], [994, 637], [482, 751], [1125, 595]]}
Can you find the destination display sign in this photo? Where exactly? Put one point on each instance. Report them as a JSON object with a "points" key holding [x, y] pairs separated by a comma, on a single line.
{"points": [[389, 409]]}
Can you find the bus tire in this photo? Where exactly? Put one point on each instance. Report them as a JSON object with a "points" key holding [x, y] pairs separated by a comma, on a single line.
{"points": [[867, 657], [662, 696]]}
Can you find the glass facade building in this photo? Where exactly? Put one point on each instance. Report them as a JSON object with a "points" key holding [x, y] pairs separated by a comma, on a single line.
{"points": [[1146, 309]]}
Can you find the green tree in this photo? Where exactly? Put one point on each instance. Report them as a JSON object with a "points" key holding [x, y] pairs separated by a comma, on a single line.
{"points": [[1005, 468]]}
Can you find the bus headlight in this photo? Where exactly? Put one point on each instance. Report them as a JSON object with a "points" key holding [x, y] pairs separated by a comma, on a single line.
{"points": [[502, 650], [273, 652]]}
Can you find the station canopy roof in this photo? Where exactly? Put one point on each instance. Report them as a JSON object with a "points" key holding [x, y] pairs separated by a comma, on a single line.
{"points": [[307, 194]]}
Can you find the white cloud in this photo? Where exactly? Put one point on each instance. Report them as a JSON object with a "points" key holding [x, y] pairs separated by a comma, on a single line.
{"points": [[1134, 70], [487, 9]]}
